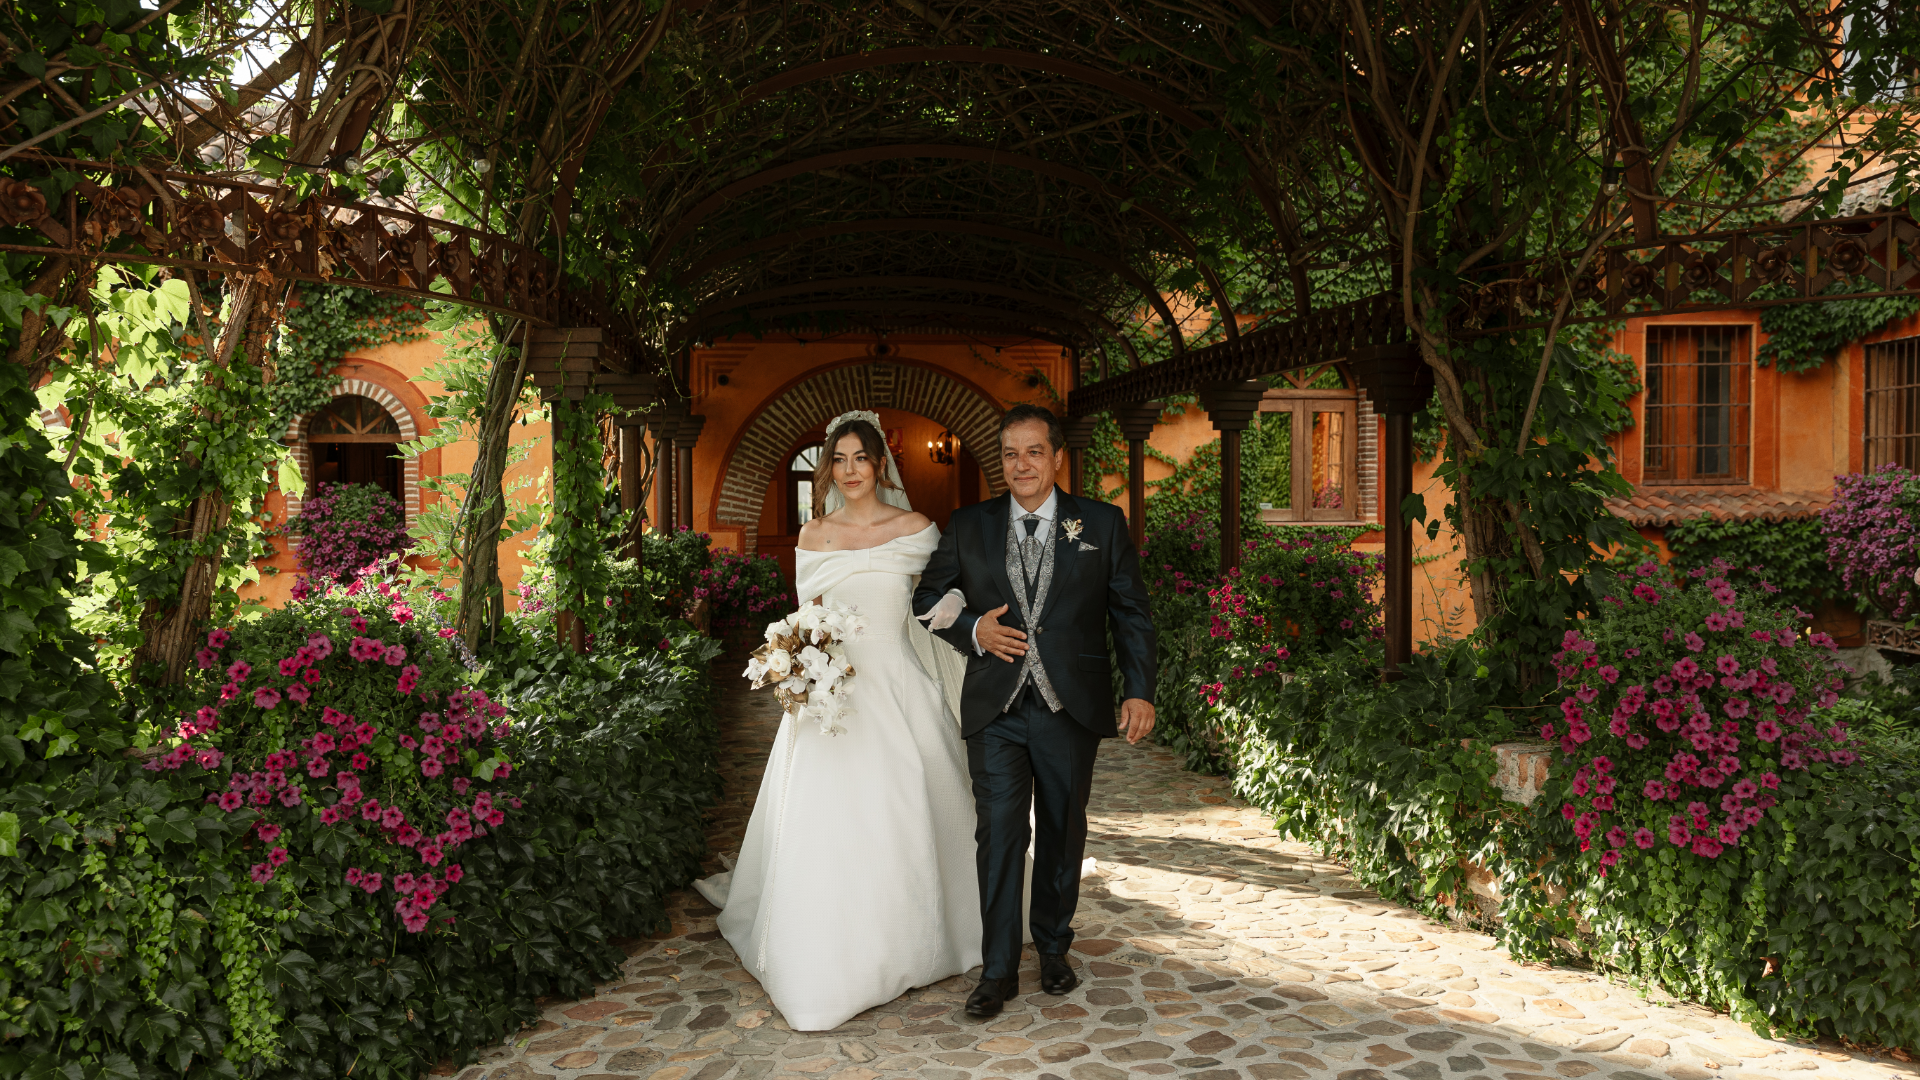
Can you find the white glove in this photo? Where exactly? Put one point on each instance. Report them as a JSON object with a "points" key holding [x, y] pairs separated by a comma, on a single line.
{"points": [[942, 614]]}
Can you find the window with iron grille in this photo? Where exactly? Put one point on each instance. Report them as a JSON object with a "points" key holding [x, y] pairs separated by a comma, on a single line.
{"points": [[1699, 405], [1893, 403]]}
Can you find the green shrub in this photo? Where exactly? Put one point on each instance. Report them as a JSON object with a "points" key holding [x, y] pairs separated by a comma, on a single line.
{"points": [[1789, 555], [1214, 636], [1180, 562], [1803, 921], [745, 593], [152, 930]]}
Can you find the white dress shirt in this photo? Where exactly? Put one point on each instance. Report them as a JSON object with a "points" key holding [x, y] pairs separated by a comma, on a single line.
{"points": [[1046, 514]]}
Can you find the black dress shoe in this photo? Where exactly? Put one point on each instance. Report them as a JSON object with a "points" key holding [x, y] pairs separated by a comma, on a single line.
{"points": [[1056, 975], [990, 995]]}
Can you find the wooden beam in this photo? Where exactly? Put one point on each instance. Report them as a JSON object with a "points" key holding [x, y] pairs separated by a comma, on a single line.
{"points": [[1231, 407], [1137, 423], [1398, 383]]}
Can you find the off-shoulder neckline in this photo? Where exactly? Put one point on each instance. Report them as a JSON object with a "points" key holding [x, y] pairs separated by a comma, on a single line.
{"points": [[854, 551]]}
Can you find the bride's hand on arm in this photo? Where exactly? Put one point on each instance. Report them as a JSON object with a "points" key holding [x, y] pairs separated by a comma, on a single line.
{"points": [[942, 614]]}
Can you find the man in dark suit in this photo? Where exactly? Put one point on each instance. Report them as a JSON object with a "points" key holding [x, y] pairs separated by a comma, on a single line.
{"points": [[1044, 575]]}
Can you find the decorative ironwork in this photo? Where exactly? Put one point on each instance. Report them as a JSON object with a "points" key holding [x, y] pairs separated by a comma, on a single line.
{"points": [[1322, 337], [186, 220], [1868, 255], [1890, 635]]}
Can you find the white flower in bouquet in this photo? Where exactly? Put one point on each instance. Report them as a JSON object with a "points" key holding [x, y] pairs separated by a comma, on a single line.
{"points": [[805, 661]]}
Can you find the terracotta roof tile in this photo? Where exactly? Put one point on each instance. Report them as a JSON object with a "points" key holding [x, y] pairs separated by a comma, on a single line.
{"points": [[1659, 507]]}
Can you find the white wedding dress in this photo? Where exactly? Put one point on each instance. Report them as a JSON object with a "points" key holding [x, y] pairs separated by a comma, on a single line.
{"points": [[856, 881]]}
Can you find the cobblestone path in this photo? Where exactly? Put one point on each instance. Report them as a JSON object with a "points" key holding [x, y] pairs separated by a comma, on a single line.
{"points": [[1207, 949]]}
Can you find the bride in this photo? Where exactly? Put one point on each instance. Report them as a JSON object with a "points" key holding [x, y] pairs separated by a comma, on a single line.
{"points": [[856, 879]]}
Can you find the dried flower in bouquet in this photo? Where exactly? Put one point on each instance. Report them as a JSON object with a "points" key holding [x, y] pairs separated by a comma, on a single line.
{"points": [[805, 661]]}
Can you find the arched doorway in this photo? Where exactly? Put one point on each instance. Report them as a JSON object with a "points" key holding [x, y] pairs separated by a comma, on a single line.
{"points": [[936, 468], [917, 402]]}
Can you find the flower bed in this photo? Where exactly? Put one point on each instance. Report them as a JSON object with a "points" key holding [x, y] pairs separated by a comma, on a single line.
{"points": [[1298, 592], [351, 854], [1710, 826], [1870, 528], [347, 529]]}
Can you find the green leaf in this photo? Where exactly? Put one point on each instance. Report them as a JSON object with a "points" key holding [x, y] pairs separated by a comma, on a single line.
{"points": [[42, 915], [176, 828], [16, 631], [12, 565], [9, 830]]}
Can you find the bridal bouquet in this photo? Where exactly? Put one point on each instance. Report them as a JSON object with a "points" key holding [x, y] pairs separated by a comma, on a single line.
{"points": [[805, 661]]}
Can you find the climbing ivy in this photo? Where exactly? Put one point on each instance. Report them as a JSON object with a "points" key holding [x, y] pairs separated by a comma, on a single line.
{"points": [[1791, 556], [1801, 337], [579, 539], [323, 325], [153, 424]]}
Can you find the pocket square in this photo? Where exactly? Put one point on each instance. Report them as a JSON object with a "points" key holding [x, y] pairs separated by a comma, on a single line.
{"points": [[1084, 546]]}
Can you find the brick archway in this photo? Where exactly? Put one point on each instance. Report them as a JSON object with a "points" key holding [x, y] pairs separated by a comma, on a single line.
{"points": [[861, 383], [296, 438]]}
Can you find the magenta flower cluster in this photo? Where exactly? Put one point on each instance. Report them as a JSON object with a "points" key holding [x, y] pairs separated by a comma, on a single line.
{"points": [[1871, 529], [323, 768], [742, 591], [347, 531], [1683, 703]]}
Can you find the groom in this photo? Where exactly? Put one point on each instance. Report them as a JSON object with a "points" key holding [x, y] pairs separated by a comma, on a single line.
{"points": [[1045, 575]]}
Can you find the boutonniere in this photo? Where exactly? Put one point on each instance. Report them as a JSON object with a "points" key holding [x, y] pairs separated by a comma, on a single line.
{"points": [[1071, 528]]}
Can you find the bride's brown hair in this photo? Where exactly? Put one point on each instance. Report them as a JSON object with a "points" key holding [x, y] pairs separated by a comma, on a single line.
{"points": [[871, 441]]}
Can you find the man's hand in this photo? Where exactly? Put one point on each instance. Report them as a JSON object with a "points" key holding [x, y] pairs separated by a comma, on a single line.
{"points": [[1136, 719], [1007, 644]]}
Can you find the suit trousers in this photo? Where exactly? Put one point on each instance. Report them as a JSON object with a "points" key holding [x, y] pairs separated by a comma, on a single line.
{"points": [[1029, 757]]}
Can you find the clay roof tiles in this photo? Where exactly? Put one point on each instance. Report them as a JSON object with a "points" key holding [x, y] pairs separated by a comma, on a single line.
{"points": [[1658, 507]]}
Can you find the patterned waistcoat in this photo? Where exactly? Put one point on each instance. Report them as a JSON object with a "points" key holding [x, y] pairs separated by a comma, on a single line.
{"points": [[1030, 586]]}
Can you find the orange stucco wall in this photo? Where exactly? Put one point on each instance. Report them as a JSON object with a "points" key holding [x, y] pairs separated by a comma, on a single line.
{"points": [[399, 368], [1805, 429]]}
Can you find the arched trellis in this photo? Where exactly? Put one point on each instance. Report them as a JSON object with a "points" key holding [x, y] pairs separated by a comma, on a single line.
{"points": [[1148, 293], [759, 450], [711, 203], [1019, 59], [911, 312], [1090, 321]]}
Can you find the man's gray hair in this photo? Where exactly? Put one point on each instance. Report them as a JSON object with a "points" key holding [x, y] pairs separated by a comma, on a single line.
{"points": [[1021, 414]]}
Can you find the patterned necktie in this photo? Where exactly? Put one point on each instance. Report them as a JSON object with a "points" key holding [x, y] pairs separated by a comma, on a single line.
{"points": [[1030, 547]]}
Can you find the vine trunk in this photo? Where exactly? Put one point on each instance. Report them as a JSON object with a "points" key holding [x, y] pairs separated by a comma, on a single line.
{"points": [[169, 632], [482, 601]]}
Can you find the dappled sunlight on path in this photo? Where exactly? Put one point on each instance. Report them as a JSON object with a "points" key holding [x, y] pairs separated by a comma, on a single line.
{"points": [[1207, 949]]}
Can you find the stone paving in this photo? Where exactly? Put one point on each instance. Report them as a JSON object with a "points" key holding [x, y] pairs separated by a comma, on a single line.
{"points": [[1207, 949]]}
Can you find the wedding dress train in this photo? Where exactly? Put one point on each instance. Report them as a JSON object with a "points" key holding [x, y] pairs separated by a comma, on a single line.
{"points": [[856, 881]]}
